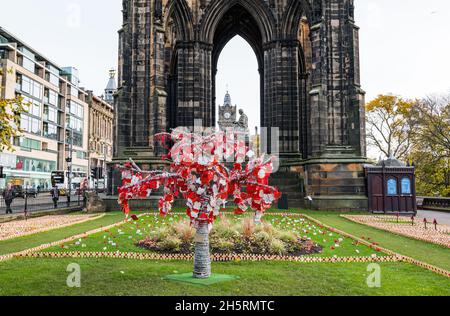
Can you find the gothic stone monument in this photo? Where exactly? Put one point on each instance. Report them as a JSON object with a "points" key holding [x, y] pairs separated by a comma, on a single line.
{"points": [[308, 58]]}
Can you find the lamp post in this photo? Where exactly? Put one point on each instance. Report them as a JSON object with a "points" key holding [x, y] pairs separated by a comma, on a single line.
{"points": [[104, 173], [69, 168]]}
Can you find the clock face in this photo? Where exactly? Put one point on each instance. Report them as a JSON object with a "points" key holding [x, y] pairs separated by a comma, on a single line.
{"points": [[227, 115]]}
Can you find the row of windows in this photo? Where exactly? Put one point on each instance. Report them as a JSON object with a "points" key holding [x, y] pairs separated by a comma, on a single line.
{"points": [[35, 165], [27, 144], [392, 187]]}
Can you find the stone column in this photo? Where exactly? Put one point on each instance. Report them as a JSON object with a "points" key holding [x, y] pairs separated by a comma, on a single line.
{"points": [[194, 84], [281, 95]]}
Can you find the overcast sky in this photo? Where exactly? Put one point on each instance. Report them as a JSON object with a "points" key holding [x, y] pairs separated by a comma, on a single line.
{"points": [[405, 45]]}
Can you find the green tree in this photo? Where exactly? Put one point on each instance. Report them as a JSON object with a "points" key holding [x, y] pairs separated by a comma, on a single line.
{"points": [[431, 150], [389, 126], [10, 110]]}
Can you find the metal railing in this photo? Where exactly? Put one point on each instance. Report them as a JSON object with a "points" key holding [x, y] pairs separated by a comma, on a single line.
{"points": [[29, 203], [435, 203]]}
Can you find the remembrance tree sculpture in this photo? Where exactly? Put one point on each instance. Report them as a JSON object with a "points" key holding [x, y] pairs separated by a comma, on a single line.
{"points": [[199, 175]]}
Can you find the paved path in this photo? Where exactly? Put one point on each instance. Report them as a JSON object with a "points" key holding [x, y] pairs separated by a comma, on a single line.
{"points": [[442, 217]]}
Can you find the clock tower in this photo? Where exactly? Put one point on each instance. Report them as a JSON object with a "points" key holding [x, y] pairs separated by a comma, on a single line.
{"points": [[227, 113]]}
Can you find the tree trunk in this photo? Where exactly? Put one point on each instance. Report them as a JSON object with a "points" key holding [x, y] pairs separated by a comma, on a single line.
{"points": [[202, 259]]}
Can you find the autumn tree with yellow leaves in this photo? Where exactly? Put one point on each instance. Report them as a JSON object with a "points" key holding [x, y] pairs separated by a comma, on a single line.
{"points": [[10, 110], [389, 127]]}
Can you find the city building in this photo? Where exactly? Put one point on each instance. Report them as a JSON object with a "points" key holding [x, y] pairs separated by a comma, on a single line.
{"points": [[56, 125], [101, 119]]}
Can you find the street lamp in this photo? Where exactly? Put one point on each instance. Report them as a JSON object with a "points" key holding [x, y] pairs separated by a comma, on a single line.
{"points": [[104, 144], [69, 168]]}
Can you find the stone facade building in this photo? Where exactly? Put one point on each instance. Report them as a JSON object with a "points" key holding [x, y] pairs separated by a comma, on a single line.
{"points": [[308, 56], [101, 120]]}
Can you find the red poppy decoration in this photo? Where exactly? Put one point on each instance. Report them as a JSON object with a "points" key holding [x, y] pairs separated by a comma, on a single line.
{"points": [[197, 175]]}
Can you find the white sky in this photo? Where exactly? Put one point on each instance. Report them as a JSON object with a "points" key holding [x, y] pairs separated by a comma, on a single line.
{"points": [[405, 45]]}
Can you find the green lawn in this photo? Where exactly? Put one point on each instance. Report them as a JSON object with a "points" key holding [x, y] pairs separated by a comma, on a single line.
{"points": [[27, 276], [132, 277], [30, 241], [420, 250]]}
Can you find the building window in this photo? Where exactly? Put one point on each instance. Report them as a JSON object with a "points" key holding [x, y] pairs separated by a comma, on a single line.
{"points": [[30, 87], [35, 165], [392, 187], [76, 109], [50, 114], [82, 155], [27, 143], [30, 124], [73, 91], [406, 186], [51, 97], [34, 106], [28, 64], [50, 131]]}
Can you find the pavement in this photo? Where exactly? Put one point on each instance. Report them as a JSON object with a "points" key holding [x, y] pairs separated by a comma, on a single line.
{"points": [[442, 218]]}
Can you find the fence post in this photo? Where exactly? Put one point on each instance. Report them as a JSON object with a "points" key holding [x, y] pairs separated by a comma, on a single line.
{"points": [[26, 203]]}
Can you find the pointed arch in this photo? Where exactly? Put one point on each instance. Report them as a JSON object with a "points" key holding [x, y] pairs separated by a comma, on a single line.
{"points": [[216, 9], [180, 11], [295, 10]]}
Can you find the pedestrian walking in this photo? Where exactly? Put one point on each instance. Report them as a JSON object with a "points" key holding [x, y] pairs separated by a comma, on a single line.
{"points": [[8, 196], [55, 196]]}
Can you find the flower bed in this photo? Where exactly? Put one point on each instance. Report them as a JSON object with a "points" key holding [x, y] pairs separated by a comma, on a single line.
{"points": [[441, 236], [14, 229], [228, 236], [126, 236]]}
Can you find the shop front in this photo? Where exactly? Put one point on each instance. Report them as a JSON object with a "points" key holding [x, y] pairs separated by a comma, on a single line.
{"points": [[27, 172]]}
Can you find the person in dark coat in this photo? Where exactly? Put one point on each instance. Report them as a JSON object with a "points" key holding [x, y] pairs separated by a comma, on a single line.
{"points": [[8, 196], [55, 196]]}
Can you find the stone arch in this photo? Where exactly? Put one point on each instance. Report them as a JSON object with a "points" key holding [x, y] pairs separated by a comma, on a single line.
{"points": [[292, 16], [237, 21], [180, 12], [216, 9]]}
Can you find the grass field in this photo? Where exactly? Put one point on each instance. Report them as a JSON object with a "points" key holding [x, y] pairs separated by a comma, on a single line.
{"points": [[131, 277], [29, 276], [420, 250]]}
